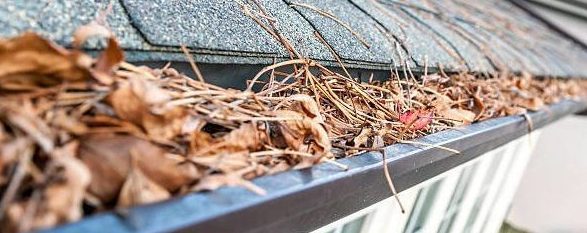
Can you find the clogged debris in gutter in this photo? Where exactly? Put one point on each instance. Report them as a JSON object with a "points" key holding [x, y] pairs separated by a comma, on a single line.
{"points": [[80, 135]]}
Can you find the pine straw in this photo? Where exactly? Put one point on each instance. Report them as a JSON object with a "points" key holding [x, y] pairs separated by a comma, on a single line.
{"points": [[102, 133]]}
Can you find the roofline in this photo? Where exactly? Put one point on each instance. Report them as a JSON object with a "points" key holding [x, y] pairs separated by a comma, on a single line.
{"points": [[524, 5]]}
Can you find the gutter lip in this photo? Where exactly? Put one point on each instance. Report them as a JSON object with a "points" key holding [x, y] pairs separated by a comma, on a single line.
{"points": [[307, 199]]}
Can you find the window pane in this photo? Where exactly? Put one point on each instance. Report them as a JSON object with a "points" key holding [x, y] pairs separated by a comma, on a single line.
{"points": [[481, 198], [457, 198], [354, 226], [425, 200]]}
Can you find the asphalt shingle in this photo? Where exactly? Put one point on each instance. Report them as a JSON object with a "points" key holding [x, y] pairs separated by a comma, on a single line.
{"points": [[418, 41], [57, 20], [376, 47], [476, 35], [213, 25]]}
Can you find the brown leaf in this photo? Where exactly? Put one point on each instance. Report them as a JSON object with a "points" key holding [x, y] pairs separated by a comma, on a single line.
{"points": [[68, 123], [224, 161], [143, 103], [456, 114], [478, 107], [248, 137], [108, 157], [192, 125], [363, 137], [213, 182], [279, 167], [139, 189], [442, 102], [29, 60], [60, 201], [23, 116], [533, 104], [306, 105], [200, 141], [11, 150], [305, 135], [64, 198], [92, 29], [107, 62], [512, 110], [165, 126]]}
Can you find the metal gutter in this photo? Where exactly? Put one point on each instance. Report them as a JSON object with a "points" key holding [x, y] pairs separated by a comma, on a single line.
{"points": [[304, 200]]}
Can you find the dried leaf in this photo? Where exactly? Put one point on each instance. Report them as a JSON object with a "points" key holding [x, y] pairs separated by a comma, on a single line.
{"points": [[30, 61], [108, 158], [139, 189], [512, 110], [11, 150], [107, 62], [279, 167], [408, 117], [85, 32], [533, 104], [306, 105], [363, 137], [248, 137], [69, 123], [200, 141], [304, 135], [226, 162], [416, 119], [461, 115], [213, 182], [478, 107], [23, 116], [64, 198], [60, 201], [143, 103]]}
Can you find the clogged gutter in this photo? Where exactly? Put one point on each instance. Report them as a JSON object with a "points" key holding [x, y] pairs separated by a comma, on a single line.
{"points": [[80, 135]]}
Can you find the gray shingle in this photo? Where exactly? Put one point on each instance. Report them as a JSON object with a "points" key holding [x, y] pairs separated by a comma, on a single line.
{"points": [[466, 50], [347, 45], [57, 20], [414, 37], [480, 34], [213, 25]]}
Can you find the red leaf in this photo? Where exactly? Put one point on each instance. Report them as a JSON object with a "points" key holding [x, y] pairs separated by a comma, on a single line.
{"points": [[416, 119], [424, 118], [408, 117]]}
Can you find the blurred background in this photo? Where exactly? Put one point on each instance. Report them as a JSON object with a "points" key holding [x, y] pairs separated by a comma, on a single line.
{"points": [[551, 196]]}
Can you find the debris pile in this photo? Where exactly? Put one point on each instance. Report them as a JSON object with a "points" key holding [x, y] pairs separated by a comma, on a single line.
{"points": [[79, 135]]}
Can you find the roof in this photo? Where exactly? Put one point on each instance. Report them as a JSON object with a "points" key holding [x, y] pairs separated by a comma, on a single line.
{"points": [[477, 36]]}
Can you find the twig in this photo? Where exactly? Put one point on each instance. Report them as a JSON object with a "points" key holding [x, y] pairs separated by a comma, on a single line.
{"points": [[390, 182], [192, 63], [16, 180]]}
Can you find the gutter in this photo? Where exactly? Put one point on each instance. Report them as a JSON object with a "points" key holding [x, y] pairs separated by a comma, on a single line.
{"points": [[307, 199]]}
